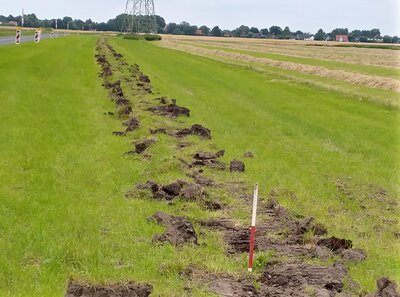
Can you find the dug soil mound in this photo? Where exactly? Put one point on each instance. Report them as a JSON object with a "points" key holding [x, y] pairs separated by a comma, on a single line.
{"points": [[179, 229], [227, 286], [300, 279], [171, 110], [129, 289], [386, 288], [209, 159]]}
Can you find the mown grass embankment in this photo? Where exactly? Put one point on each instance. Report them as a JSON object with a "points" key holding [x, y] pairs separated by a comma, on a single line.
{"points": [[307, 140], [63, 178]]}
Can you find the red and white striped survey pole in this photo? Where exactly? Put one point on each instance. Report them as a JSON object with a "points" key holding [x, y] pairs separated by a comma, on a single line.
{"points": [[253, 228]]}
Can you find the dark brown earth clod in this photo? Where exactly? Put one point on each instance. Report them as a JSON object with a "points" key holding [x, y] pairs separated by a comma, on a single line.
{"points": [[227, 286], [293, 279], [129, 289], [171, 110], [386, 288], [309, 225], [170, 191], [131, 124], [118, 133], [140, 147], [174, 189], [239, 241], [196, 129], [213, 205], [182, 133], [158, 131], [336, 245], [144, 78], [179, 230], [248, 155], [193, 192], [201, 131], [353, 255], [203, 181], [149, 185], [209, 159], [237, 166]]}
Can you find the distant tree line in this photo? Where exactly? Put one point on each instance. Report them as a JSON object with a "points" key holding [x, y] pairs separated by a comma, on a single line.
{"points": [[185, 28], [357, 35], [116, 24]]}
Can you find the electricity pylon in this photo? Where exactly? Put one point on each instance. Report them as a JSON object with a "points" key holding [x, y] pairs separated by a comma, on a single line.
{"points": [[140, 17]]}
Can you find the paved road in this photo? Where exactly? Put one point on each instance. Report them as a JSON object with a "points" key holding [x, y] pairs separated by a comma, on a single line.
{"points": [[11, 39]]}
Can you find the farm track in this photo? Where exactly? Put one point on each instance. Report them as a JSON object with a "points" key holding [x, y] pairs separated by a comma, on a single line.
{"points": [[303, 259], [384, 83]]}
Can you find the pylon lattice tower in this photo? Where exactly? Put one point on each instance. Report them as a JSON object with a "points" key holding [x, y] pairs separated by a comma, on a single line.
{"points": [[140, 17]]}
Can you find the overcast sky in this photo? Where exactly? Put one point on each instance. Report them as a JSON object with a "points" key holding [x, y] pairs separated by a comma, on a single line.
{"points": [[305, 15]]}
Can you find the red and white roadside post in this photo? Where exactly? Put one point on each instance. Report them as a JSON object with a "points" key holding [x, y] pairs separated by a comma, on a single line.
{"points": [[253, 229]]}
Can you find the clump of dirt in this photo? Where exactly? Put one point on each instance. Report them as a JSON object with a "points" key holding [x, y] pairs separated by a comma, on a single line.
{"points": [[167, 192], [129, 289], [158, 131], [144, 78], [179, 229], [192, 192], [131, 124], [196, 129], [335, 244], [124, 107], [201, 180], [213, 205], [141, 146], [296, 279], [116, 89], [248, 155], [386, 288], [353, 255], [118, 133], [179, 188], [237, 166], [118, 56], [209, 159], [105, 65], [201, 131], [308, 224], [228, 286], [171, 110], [237, 238]]}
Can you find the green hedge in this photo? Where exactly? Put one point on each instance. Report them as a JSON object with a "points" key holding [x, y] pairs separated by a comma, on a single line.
{"points": [[148, 37]]}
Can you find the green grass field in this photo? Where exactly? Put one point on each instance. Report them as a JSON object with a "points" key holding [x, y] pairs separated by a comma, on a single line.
{"points": [[63, 175], [305, 139]]}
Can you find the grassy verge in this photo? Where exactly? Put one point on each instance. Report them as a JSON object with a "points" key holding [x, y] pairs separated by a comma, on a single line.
{"points": [[306, 140], [63, 178]]}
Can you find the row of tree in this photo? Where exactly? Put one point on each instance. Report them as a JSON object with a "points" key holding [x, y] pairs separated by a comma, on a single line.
{"points": [[356, 35], [185, 28], [116, 24]]}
